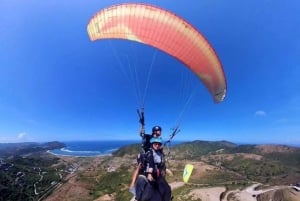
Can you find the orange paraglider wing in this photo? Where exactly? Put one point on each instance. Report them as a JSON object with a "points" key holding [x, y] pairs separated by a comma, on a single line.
{"points": [[166, 31]]}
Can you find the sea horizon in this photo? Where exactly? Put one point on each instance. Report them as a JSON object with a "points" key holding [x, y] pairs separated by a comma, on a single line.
{"points": [[125, 141], [89, 148]]}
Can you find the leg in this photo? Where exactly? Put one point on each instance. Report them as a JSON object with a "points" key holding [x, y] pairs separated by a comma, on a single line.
{"points": [[141, 184], [164, 189]]}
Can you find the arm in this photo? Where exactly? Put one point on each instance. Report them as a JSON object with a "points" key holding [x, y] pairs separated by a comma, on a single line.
{"points": [[135, 175], [149, 174], [151, 166]]}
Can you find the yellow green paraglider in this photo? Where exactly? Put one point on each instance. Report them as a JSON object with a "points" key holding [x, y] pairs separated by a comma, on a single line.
{"points": [[187, 172]]}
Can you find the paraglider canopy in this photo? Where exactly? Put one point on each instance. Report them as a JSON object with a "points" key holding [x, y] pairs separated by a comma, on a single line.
{"points": [[188, 169], [166, 31]]}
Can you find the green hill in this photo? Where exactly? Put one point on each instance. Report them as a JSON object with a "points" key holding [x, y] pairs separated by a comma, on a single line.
{"points": [[217, 163]]}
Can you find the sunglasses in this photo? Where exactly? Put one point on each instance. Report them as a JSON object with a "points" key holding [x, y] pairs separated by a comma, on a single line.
{"points": [[156, 143]]}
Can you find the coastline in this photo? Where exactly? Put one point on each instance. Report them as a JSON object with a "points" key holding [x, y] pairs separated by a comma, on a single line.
{"points": [[76, 156], [88, 149]]}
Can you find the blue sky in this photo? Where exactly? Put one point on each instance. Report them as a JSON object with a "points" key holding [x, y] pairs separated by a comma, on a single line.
{"points": [[55, 84]]}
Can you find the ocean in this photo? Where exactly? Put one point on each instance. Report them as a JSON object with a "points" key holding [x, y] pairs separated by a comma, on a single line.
{"points": [[91, 148], [96, 148]]}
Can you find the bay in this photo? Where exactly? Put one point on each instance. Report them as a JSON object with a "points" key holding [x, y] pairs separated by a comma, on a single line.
{"points": [[91, 148]]}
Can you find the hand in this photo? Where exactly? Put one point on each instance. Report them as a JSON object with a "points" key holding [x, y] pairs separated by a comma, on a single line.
{"points": [[132, 190]]}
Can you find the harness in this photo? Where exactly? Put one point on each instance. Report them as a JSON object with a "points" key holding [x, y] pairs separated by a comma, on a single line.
{"points": [[146, 145], [145, 190], [159, 163]]}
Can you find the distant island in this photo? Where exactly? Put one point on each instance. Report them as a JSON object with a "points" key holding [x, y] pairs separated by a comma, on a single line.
{"points": [[223, 170]]}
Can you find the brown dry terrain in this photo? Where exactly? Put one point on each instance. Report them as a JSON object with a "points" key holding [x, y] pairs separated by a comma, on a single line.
{"points": [[277, 148], [75, 188], [230, 157], [283, 194]]}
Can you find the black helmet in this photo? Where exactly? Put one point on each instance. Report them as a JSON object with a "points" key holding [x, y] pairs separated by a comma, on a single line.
{"points": [[156, 128]]}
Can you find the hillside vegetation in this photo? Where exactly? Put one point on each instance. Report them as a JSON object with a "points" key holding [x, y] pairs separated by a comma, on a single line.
{"points": [[216, 164], [270, 164]]}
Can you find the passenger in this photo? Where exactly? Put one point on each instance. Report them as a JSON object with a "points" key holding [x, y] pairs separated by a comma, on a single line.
{"points": [[155, 187], [156, 132]]}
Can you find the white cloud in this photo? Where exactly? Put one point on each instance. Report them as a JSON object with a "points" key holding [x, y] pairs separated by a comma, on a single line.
{"points": [[12, 138], [3, 139], [260, 113], [21, 136]]}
